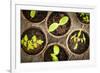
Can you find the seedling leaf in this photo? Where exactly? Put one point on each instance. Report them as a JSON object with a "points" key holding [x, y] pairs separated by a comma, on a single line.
{"points": [[73, 36], [22, 41], [40, 42], [63, 20], [54, 57], [75, 39], [25, 44], [35, 45], [32, 13], [82, 14], [84, 38], [34, 38], [81, 40], [30, 45], [53, 27], [79, 33], [76, 46], [25, 38], [56, 49]]}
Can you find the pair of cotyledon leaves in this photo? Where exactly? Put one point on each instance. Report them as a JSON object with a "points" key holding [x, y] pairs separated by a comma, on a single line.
{"points": [[56, 51], [55, 25]]}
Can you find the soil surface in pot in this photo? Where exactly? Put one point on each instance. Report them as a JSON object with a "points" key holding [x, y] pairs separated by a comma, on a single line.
{"points": [[40, 15], [62, 56], [81, 18], [30, 33], [55, 17], [82, 45]]}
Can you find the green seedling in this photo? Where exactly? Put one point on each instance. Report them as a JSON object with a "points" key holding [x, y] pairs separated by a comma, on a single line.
{"points": [[55, 25], [24, 40], [84, 38], [56, 51], [33, 13], [31, 44], [76, 39], [54, 57], [85, 17]]}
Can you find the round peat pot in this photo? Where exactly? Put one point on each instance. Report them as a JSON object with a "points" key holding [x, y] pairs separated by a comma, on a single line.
{"points": [[84, 17], [59, 54], [33, 41], [36, 16], [61, 19], [78, 41]]}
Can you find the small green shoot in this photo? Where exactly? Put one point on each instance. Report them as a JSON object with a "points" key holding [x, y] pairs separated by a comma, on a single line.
{"points": [[84, 38], [56, 51], [85, 17], [76, 46], [39, 42], [55, 25], [76, 39], [34, 38], [54, 57], [31, 44], [24, 40], [32, 13], [63, 20]]}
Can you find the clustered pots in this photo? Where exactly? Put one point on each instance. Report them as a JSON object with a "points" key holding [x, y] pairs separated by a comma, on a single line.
{"points": [[66, 42]]}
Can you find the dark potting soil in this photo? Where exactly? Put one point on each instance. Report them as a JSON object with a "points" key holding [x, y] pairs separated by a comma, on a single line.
{"points": [[40, 35], [81, 47], [62, 56], [81, 19], [55, 17], [40, 15]]}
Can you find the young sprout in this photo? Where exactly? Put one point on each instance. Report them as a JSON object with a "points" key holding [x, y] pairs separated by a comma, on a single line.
{"points": [[76, 39], [54, 57], [34, 38], [24, 40], [82, 14], [31, 44], [76, 46], [84, 39], [55, 25], [63, 20], [56, 51], [32, 13], [85, 17], [79, 33]]}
